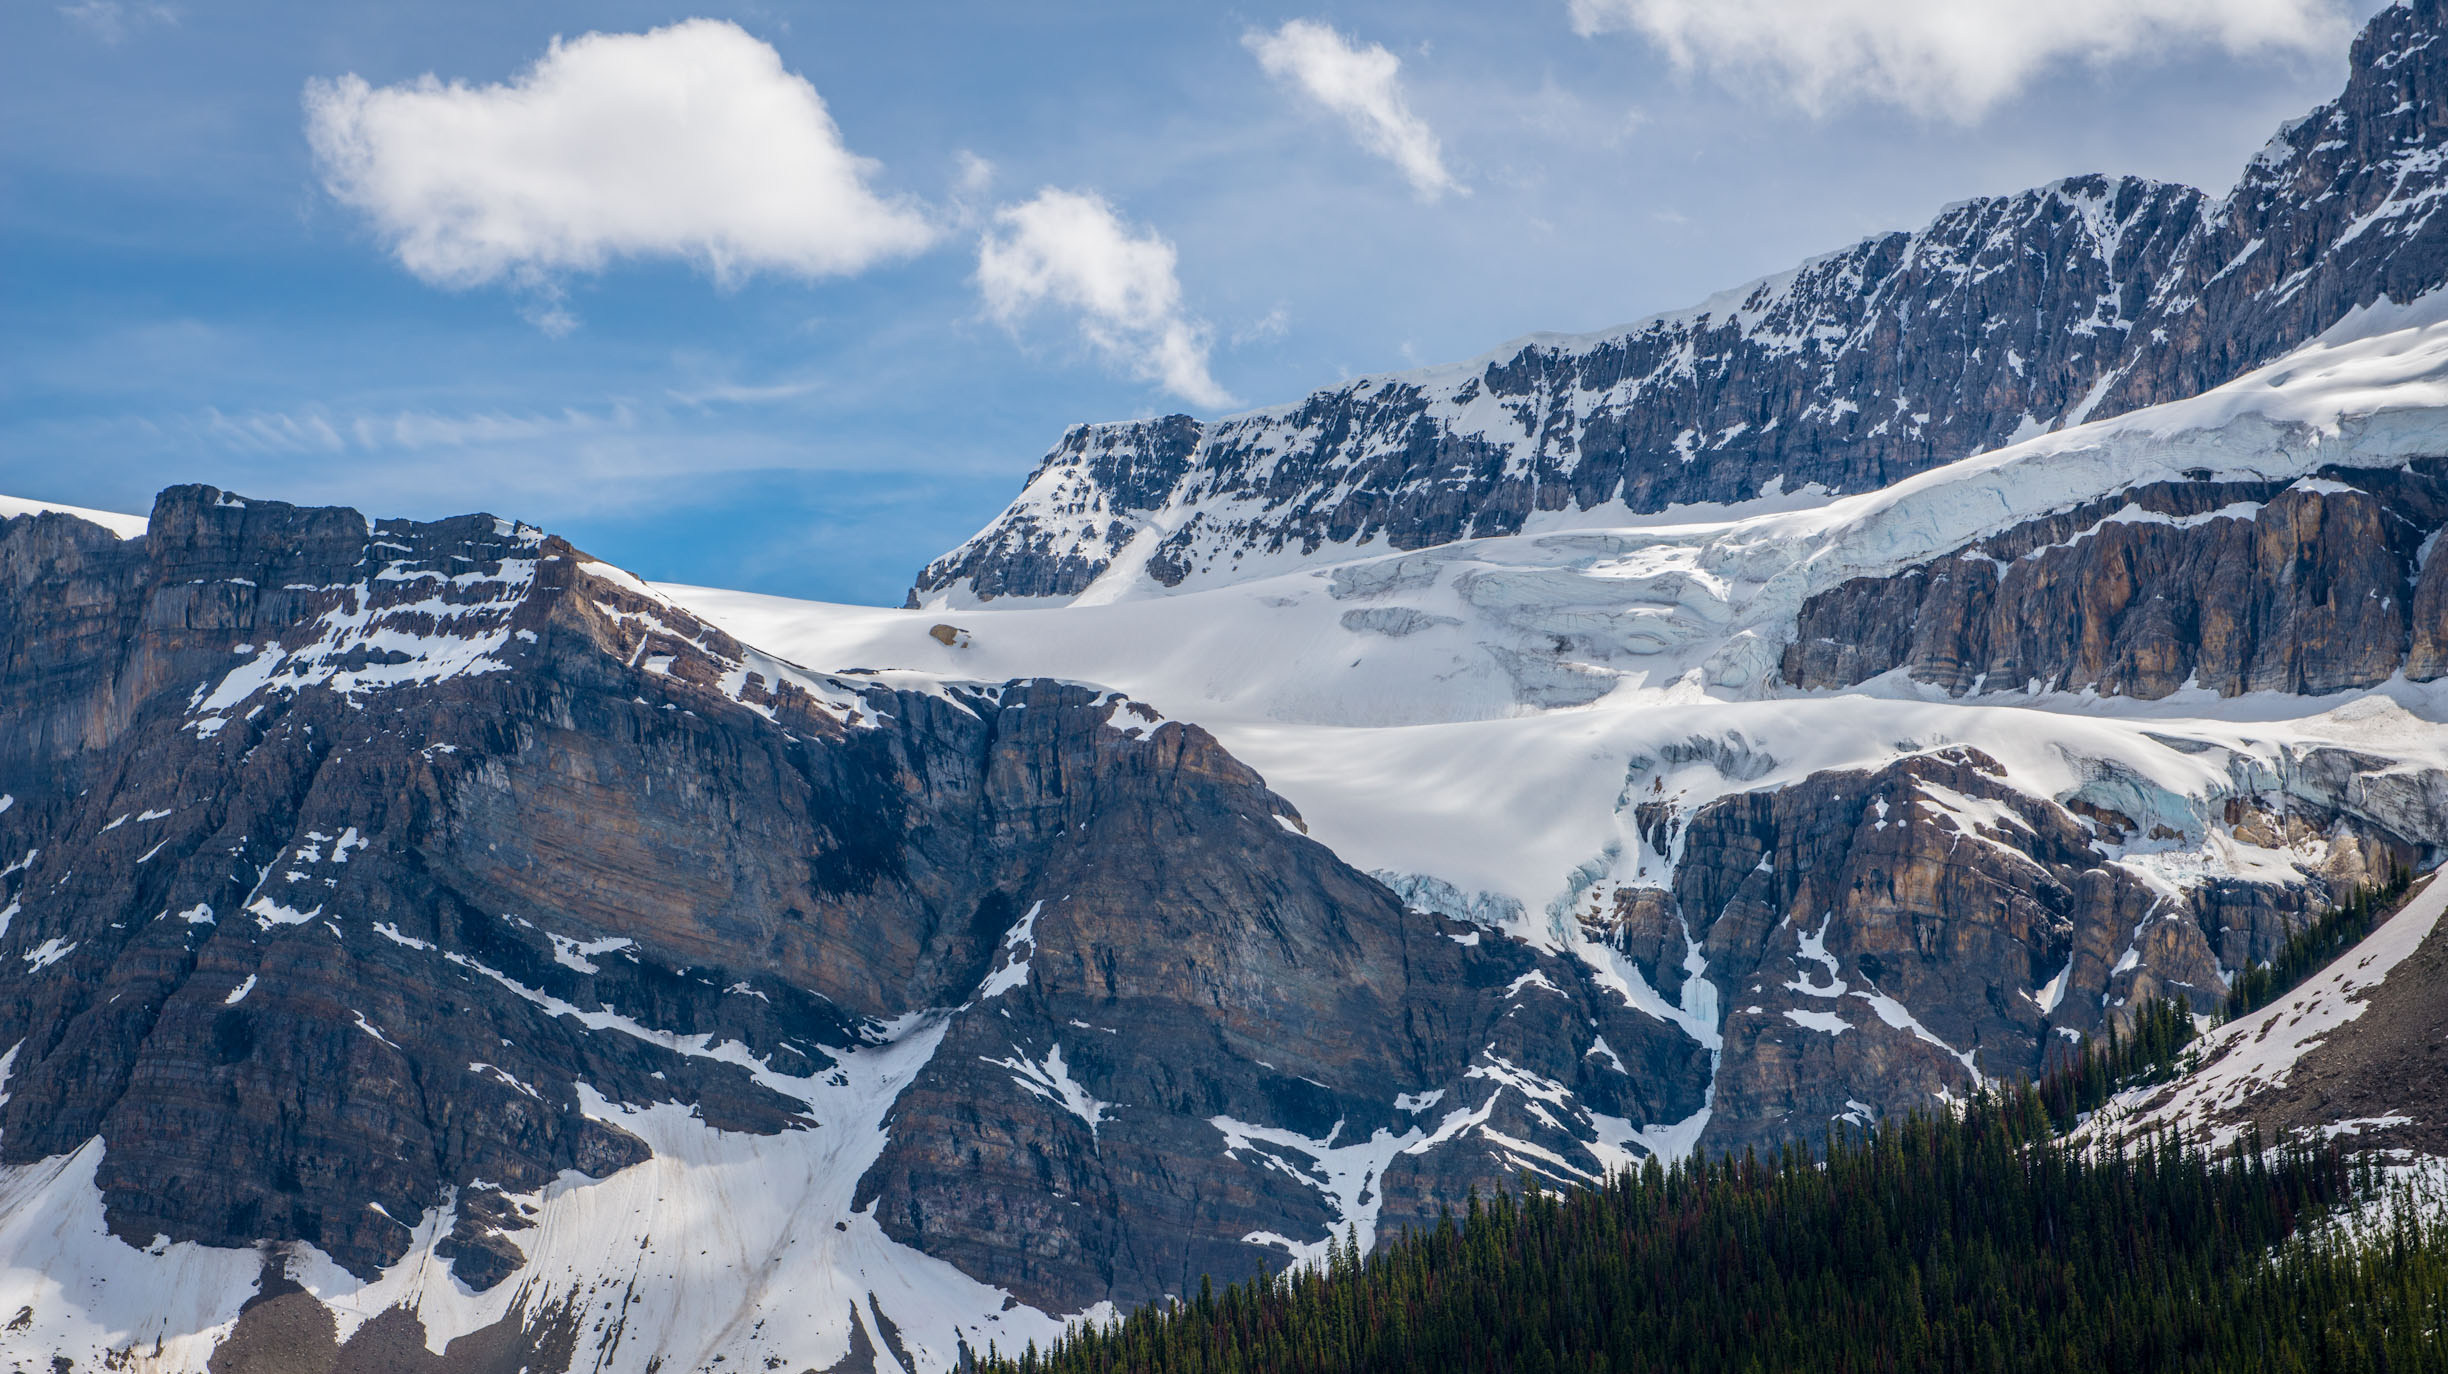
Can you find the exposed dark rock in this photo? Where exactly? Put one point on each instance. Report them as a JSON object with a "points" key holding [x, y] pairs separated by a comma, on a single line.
{"points": [[2309, 587], [2378, 1079], [1086, 495], [283, 1330], [332, 829], [1877, 937]]}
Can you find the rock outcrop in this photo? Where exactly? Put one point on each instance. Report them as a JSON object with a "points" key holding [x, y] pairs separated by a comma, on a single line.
{"points": [[1882, 940], [2313, 586]]}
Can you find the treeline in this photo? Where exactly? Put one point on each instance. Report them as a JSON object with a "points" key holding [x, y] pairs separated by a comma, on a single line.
{"points": [[1968, 1241], [2153, 1053], [2310, 949]]}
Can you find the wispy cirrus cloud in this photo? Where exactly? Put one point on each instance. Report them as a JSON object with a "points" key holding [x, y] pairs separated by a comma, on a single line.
{"points": [[611, 455], [311, 431], [1362, 85], [113, 21], [691, 142], [1070, 250], [1952, 58]]}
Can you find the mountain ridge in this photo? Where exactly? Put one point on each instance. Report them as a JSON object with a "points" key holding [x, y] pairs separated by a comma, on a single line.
{"points": [[1689, 994], [2129, 292], [403, 898]]}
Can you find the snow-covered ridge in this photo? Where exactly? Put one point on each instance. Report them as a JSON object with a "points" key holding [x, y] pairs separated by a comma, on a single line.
{"points": [[125, 526], [1644, 414], [1900, 353], [1777, 311]]}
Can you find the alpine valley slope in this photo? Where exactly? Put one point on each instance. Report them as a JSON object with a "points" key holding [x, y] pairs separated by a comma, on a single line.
{"points": [[424, 946]]}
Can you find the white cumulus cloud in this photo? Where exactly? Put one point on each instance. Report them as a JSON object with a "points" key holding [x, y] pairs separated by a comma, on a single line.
{"points": [[1362, 85], [689, 142], [1956, 58], [1070, 250]]}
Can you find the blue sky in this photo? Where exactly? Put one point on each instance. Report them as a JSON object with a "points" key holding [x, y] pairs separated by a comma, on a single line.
{"points": [[809, 383]]}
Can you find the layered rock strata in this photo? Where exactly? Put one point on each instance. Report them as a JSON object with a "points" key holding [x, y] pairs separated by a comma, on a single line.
{"points": [[2312, 586], [1883, 940]]}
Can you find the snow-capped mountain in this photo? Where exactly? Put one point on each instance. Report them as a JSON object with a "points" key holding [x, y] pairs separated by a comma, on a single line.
{"points": [[422, 943], [2002, 318]]}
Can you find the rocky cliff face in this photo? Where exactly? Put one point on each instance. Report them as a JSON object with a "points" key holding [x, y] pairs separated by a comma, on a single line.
{"points": [[291, 908], [2001, 318], [372, 886], [2310, 586], [1884, 939], [2351, 1055], [2336, 214]]}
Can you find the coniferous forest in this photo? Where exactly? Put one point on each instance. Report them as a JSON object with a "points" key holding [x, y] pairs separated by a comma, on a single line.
{"points": [[2325, 937], [1973, 1240], [2153, 1049], [2152, 1052]]}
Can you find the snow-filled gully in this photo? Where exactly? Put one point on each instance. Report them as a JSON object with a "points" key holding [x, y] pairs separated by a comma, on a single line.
{"points": [[727, 1249]]}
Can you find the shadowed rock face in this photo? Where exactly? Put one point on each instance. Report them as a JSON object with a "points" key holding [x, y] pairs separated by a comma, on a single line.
{"points": [[285, 814], [1221, 999], [283, 1330], [2002, 317], [2311, 587], [2378, 1075], [349, 862]]}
